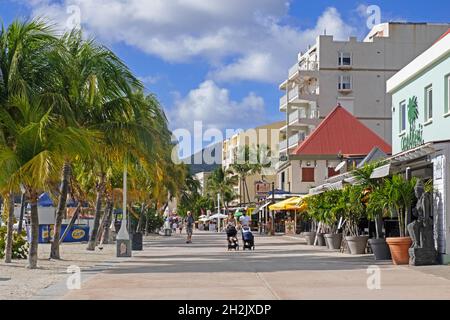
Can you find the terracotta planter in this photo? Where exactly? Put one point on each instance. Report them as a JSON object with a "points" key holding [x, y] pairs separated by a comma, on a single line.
{"points": [[399, 249], [321, 240], [333, 241], [380, 249], [357, 245], [309, 237]]}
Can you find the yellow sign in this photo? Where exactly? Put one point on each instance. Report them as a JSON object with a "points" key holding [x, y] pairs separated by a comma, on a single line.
{"points": [[78, 234]]}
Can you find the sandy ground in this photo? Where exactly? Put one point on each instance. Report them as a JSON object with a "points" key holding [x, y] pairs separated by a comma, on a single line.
{"points": [[18, 282]]}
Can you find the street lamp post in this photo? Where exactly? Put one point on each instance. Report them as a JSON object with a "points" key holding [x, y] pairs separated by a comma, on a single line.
{"points": [[123, 237]]}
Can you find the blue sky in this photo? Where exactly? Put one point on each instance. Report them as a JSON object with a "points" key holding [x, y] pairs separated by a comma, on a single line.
{"points": [[212, 60]]}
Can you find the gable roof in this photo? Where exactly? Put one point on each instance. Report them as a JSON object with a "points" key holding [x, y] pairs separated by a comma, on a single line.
{"points": [[341, 133]]}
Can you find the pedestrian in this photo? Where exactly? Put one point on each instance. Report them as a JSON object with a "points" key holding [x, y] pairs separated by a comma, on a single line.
{"points": [[189, 222], [175, 227], [181, 227]]}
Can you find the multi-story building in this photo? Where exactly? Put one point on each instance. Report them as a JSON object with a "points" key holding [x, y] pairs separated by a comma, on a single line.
{"points": [[421, 135], [352, 74], [267, 135]]}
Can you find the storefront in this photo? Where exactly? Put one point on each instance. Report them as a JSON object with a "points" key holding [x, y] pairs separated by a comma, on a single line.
{"points": [[421, 134]]}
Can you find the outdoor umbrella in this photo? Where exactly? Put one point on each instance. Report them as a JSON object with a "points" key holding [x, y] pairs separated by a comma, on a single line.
{"points": [[218, 216]]}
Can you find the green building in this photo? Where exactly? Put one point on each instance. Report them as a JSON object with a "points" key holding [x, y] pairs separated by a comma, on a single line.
{"points": [[421, 129]]}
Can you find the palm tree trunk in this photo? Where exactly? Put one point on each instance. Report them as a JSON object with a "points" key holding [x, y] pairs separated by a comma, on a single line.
{"points": [[246, 190], [140, 225], [66, 173], [98, 207], [33, 252], [109, 211], [8, 207]]}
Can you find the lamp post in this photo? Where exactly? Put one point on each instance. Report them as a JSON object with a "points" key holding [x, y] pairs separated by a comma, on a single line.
{"points": [[123, 237], [23, 206]]}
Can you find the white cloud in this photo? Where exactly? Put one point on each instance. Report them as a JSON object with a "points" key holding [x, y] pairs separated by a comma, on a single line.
{"points": [[250, 33], [213, 106]]}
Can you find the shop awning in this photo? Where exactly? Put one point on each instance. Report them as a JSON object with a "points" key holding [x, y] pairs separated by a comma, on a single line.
{"points": [[294, 203], [261, 208], [381, 172]]}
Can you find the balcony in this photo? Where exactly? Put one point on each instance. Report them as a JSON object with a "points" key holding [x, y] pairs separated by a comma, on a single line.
{"points": [[292, 142], [304, 117], [299, 96], [304, 68]]}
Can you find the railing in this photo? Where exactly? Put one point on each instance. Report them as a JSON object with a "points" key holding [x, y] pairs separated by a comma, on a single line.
{"points": [[283, 145], [309, 65], [283, 101], [302, 114]]}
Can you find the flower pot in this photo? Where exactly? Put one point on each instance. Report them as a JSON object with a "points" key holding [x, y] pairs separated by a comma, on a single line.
{"points": [[309, 237], [321, 240], [357, 245], [334, 241], [399, 249], [380, 249]]}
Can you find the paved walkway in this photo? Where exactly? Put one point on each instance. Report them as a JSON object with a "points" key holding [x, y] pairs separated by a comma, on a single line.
{"points": [[280, 268]]}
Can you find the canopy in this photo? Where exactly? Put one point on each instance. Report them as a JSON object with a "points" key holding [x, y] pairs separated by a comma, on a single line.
{"points": [[44, 200], [294, 203], [218, 216]]}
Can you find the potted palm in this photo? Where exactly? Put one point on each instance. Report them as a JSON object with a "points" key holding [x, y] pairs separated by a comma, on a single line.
{"points": [[352, 201], [315, 204], [399, 195], [331, 218], [376, 205]]}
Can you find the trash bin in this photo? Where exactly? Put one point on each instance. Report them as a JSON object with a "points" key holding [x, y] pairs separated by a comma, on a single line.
{"points": [[136, 242]]}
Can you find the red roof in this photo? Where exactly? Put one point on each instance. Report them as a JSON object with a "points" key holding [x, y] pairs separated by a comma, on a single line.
{"points": [[443, 36], [341, 133]]}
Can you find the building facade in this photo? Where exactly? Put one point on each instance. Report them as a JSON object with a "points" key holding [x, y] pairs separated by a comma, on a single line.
{"points": [[421, 134], [352, 74], [338, 144], [267, 135]]}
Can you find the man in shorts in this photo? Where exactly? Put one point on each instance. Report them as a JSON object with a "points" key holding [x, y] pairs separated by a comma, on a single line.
{"points": [[189, 221]]}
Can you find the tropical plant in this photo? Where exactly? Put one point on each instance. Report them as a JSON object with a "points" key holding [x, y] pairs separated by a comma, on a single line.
{"points": [[19, 248], [250, 161], [222, 182], [399, 195]]}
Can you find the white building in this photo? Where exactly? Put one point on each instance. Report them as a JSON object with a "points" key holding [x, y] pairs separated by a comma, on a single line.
{"points": [[352, 74]]}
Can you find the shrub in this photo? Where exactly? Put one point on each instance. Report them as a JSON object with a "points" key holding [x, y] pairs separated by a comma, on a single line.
{"points": [[20, 244]]}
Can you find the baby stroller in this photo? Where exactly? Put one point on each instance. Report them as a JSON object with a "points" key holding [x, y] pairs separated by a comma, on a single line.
{"points": [[248, 238], [233, 243]]}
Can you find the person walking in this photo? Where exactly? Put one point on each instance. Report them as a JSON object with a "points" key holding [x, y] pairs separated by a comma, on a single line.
{"points": [[189, 222]]}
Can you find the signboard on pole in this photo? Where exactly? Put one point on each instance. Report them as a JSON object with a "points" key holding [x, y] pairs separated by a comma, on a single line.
{"points": [[263, 188]]}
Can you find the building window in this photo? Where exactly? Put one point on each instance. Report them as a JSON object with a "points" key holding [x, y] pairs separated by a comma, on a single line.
{"points": [[332, 172], [308, 175], [345, 59], [283, 180], [402, 116], [447, 94], [428, 103], [345, 82]]}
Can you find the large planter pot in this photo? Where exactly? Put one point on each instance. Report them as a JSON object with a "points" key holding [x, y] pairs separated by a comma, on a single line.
{"points": [[334, 241], [309, 237], [380, 249], [321, 240], [399, 249], [357, 245]]}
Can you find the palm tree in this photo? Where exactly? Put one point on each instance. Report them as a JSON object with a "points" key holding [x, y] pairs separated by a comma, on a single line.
{"points": [[22, 48], [222, 182], [95, 87]]}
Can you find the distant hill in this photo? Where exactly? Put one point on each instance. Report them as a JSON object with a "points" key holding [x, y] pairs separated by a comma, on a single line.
{"points": [[206, 160]]}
